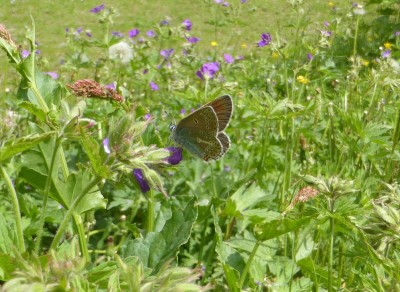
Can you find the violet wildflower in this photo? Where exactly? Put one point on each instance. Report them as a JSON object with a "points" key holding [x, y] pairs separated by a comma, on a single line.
{"points": [[147, 116], [164, 22], [176, 155], [79, 30], [117, 34], [53, 75], [265, 40], [145, 71], [151, 33], [111, 86], [138, 174], [397, 33], [183, 111], [326, 24], [228, 58], [386, 54], [310, 57], [225, 4], [25, 54], [187, 24], [208, 70], [326, 33], [239, 58], [218, 1], [106, 145], [153, 86], [166, 53], [192, 40], [243, 1], [133, 32], [37, 52], [97, 9]]}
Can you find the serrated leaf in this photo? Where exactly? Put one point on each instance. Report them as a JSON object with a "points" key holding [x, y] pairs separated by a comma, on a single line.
{"points": [[157, 248], [22, 144], [7, 236], [8, 266]]}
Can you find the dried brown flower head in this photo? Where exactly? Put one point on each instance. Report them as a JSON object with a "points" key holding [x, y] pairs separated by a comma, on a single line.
{"points": [[5, 34], [92, 89]]}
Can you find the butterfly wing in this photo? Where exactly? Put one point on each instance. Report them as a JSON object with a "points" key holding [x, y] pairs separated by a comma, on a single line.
{"points": [[198, 133], [225, 142], [223, 107]]}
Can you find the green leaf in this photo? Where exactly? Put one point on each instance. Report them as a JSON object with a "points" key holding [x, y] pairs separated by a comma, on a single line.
{"points": [[11, 148], [7, 236], [278, 227], [8, 266], [157, 248]]}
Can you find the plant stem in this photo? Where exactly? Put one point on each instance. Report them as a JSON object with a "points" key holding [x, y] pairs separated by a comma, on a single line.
{"points": [[248, 264], [46, 195], [39, 97], [331, 203], [355, 37], [17, 213], [71, 210], [150, 212]]}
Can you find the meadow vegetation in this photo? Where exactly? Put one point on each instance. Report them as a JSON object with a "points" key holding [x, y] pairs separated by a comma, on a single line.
{"points": [[97, 197]]}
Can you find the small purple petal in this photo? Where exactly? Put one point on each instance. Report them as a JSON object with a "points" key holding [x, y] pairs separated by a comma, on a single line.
{"points": [[386, 53], [79, 29], [166, 53], [53, 75], [310, 57], [110, 86], [176, 155], [147, 116], [225, 4], [117, 34], [97, 9], [228, 58], [151, 33], [25, 54], [183, 111], [145, 71], [37, 52], [153, 86], [133, 32], [138, 174], [326, 24], [243, 1], [192, 40], [187, 24], [208, 70], [397, 33], [106, 145], [88, 34]]}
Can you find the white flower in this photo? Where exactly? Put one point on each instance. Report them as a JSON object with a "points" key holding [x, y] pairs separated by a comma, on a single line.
{"points": [[121, 51], [359, 10]]}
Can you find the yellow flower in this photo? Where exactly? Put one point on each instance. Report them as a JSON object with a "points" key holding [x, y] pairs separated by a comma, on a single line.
{"points": [[244, 45], [214, 44], [364, 62], [388, 45], [331, 4], [275, 55], [302, 79]]}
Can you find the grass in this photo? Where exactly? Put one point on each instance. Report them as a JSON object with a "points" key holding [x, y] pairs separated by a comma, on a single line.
{"points": [[305, 198]]}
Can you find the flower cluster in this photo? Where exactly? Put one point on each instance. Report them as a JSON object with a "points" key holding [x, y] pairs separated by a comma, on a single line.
{"points": [[92, 89], [208, 71]]}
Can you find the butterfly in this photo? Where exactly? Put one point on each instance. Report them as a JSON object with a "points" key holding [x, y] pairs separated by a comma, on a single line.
{"points": [[202, 132]]}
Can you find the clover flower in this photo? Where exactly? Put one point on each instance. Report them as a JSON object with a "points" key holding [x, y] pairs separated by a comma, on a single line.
{"points": [[208, 70], [265, 40], [121, 51]]}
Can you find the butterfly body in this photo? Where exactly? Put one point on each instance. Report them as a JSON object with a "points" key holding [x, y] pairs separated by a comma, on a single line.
{"points": [[201, 132]]}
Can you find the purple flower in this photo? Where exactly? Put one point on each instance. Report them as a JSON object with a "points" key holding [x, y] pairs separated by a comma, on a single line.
{"points": [[228, 58], [187, 24], [176, 155], [243, 1], [326, 33], [25, 54], [79, 30], [97, 9], [106, 145], [310, 57], [153, 86], [240, 58], [208, 70], [88, 34], [166, 53], [192, 40], [133, 32], [151, 33], [386, 54], [265, 40], [117, 34], [397, 33], [183, 111], [218, 1], [164, 22], [138, 174], [225, 4], [53, 75], [67, 30], [110, 86], [37, 52], [326, 24], [147, 116]]}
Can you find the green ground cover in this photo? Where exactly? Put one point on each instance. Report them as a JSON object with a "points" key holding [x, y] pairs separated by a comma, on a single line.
{"points": [[97, 195]]}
